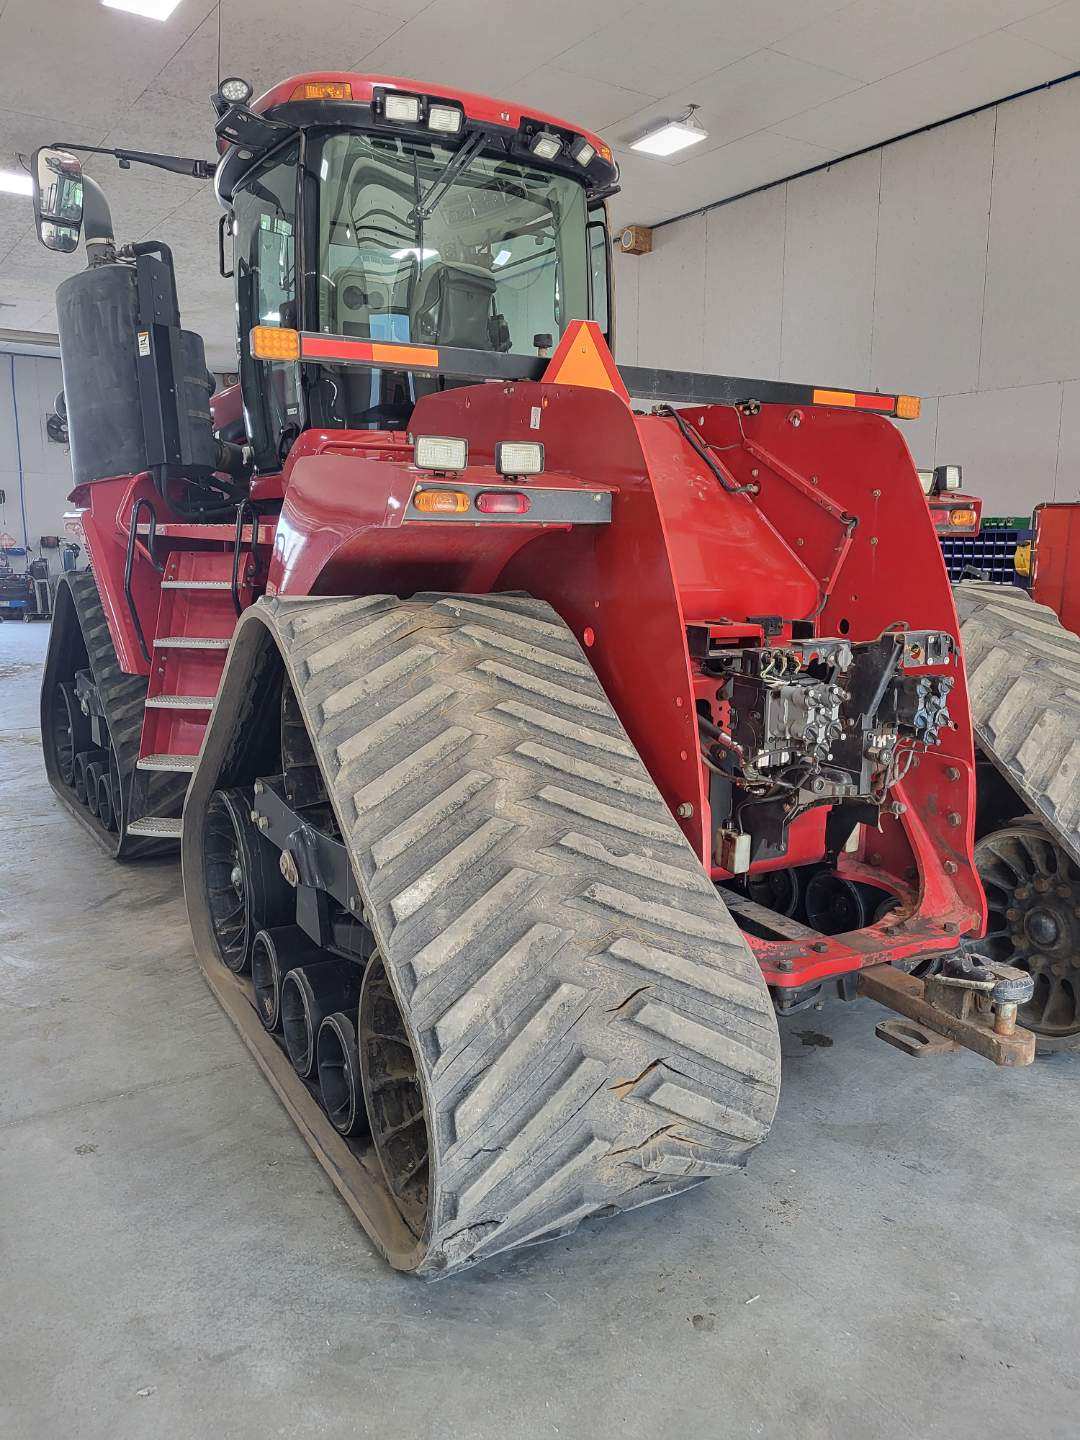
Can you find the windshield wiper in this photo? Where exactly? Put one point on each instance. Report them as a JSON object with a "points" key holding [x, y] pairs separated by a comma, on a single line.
{"points": [[455, 166]]}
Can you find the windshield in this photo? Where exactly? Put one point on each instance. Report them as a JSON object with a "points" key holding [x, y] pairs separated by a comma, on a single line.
{"points": [[488, 256]]}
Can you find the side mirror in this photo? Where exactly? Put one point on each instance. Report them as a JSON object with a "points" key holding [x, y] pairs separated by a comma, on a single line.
{"points": [[947, 477], [58, 198]]}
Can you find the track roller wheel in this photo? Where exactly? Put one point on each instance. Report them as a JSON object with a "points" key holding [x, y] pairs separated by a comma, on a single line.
{"points": [[81, 783], [1033, 899], [244, 886], [70, 729], [105, 812], [338, 1065], [96, 771], [308, 994], [396, 1110], [273, 954]]}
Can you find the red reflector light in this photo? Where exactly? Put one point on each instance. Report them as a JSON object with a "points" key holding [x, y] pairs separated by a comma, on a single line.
{"points": [[502, 502]]}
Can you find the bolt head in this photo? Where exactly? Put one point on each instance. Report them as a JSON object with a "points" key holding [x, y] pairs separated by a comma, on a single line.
{"points": [[785, 965], [685, 810], [952, 773]]}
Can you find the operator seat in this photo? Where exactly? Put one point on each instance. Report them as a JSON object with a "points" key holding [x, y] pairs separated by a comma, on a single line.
{"points": [[454, 304]]}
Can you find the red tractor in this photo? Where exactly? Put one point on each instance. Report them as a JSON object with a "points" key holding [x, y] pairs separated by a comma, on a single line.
{"points": [[529, 746]]}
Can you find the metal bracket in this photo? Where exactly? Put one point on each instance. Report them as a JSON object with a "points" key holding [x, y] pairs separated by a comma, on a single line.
{"points": [[963, 1010]]}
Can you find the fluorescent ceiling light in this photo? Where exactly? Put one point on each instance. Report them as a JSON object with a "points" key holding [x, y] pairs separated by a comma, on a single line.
{"points": [[424, 254], [151, 9], [671, 136], [500, 259], [15, 182]]}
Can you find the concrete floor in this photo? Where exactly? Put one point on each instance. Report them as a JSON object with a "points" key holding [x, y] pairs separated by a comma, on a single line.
{"points": [[901, 1259]]}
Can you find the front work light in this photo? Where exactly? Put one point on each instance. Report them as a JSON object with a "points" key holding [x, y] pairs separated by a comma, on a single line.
{"points": [[545, 145], [519, 457], [583, 152], [402, 109], [446, 119], [235, 90], [440, 452]]}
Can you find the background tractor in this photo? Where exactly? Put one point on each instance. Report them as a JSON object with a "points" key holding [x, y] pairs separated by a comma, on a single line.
{"points": [[529, 747]]}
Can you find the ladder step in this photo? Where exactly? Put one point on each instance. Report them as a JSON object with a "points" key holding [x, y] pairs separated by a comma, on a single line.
{"points": [[177, 764], [195, 585], [180, 702], [157, 826], [189, 642]]}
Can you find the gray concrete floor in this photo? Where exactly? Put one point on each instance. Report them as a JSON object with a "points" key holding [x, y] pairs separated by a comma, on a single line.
{"points": [[901, 1258]]}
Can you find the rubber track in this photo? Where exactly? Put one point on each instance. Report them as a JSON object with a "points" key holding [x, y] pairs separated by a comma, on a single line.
{"points": [[593, 1031], [1024, 682], [123, 699]]}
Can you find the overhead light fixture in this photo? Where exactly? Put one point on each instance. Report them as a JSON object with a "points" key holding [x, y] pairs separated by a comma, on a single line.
{"points": [[414, 252], [14, 182], [151, 9], [672, 135]]}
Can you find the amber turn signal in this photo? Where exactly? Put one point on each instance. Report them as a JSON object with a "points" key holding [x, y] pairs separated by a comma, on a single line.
{"points": [[962, 519], [323, 90], [271, 342], [441, 502]]}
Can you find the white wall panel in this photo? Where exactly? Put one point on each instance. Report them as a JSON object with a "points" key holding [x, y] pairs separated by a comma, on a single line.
{"points": [[626, 307], [1007, 442], [944, 265], [1067, 485], [46, 466], [829, 274], [671, 298], [931, 259], [920, 435], [1031, 330], [744, 259]]}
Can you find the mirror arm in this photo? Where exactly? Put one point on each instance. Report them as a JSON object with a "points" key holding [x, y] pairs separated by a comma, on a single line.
{"points": [[177, 164]]}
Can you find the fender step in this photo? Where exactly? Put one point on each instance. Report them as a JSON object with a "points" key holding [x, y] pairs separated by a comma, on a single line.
{"points": [[174, 764], [157, 826]]}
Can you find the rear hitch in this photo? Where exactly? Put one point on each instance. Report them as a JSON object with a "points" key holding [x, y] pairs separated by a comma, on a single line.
{"points": [[971, 1003]]}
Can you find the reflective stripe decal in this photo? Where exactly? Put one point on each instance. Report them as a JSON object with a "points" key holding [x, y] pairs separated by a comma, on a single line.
{"points": [[338, 347]]}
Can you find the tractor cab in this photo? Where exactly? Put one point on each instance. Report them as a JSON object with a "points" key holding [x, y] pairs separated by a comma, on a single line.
{"points": [[372, 213]]}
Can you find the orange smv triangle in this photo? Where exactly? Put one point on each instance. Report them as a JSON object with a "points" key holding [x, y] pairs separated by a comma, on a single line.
{"points": [[583, 358]]}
